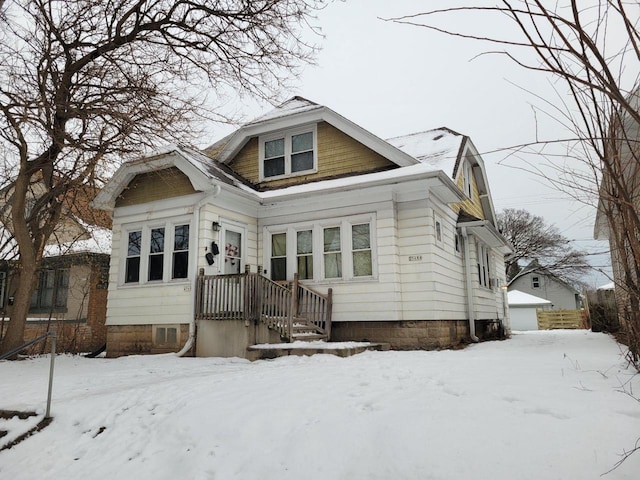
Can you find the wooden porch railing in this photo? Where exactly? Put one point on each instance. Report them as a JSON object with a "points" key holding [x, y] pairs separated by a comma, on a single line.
{"points": [[251, 296]]}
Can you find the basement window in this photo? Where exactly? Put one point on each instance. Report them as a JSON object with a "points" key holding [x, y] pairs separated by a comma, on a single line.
{"points": [[166, 336]]}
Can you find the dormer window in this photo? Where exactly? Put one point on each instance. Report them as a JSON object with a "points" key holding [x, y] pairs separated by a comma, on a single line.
{"points": [[288, 153]]}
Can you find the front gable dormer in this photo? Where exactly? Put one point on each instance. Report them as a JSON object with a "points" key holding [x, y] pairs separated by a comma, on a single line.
{"points": [[301, 142]]}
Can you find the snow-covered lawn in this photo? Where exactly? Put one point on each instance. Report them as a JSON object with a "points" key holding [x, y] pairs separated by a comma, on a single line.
{"points": [[543, 405]]}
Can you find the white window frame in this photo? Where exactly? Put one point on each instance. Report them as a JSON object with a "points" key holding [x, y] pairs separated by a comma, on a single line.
{"points": [[287, 136], [165, 344], [483, 261], [438, 230], [345, 224], [145, 245], [467, 174]]}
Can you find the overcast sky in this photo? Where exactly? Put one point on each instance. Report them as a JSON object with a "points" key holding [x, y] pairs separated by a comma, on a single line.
{"points": [[395, 79]]}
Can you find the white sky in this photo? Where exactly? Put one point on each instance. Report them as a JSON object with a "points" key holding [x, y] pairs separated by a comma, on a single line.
{"points": [[397, 79]]}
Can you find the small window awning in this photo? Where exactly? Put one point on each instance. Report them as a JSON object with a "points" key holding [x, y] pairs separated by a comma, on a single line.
{"points": [[485, 231]]}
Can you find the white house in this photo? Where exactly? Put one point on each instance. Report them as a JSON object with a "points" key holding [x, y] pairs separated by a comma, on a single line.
{"points": [[386, 241], [541, 283]]}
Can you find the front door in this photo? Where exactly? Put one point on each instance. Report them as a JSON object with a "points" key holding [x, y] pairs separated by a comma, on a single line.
{"points": [[233, 251]]}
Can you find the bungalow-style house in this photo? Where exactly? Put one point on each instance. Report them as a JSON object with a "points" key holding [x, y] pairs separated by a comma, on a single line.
{"points": [[539, 282], [70, 295], [302, 224]]}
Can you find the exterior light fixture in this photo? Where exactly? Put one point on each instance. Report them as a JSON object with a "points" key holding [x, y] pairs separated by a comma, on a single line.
{"points": [[215, 226]]}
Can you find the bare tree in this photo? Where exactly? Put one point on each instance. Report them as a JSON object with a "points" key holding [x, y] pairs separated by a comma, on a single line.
{"points": [[593, 48], [85, 83], [533, 239]]}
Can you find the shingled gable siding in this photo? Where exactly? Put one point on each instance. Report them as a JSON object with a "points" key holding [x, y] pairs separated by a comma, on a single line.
{"points": [[338, 155], [471, 206], [147, 187]]}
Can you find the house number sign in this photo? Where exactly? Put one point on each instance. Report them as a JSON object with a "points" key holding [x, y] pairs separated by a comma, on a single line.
{"points": [[415, 258]]}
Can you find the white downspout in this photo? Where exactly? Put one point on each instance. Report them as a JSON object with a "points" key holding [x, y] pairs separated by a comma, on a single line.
{"points": [[467, 270], [192, 321]]}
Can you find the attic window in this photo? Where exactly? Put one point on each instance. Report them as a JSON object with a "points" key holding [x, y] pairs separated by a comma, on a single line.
{"points": [[288, 153], [467, 175]]}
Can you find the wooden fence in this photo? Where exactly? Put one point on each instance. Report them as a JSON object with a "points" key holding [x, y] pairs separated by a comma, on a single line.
{"points": [[555, 319]]}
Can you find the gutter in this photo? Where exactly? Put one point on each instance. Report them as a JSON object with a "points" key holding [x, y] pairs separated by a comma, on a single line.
{"points": [[192, 321], [469, 284]]}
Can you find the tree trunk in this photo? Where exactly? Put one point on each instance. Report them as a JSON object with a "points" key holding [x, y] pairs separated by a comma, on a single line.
{"points": [[18, 319]]}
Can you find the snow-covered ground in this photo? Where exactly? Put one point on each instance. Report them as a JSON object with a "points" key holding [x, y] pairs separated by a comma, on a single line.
{"points": [[543, 405]]}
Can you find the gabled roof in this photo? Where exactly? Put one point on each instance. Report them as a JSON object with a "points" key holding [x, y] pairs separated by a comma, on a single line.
{"points": [[441, 148], [535, 267], [299, 111], [516, 298]]}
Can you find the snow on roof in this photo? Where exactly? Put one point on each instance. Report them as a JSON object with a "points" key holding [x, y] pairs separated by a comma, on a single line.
{"points": [[607, 286], [98, 242], [345, 182], [518, 298], [437, 148], [290, 107]]}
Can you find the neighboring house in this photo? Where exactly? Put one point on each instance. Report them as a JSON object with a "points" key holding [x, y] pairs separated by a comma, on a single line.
{"points": [[523, 310], [537, 281], [617, 217], [70, 295], [393, 241]]}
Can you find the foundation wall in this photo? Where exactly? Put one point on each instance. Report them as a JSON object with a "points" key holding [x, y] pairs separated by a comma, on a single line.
{"points": [[138, 340]]}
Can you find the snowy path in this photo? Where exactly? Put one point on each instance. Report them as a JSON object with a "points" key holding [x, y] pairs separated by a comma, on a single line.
{"points": [[543, 405]]}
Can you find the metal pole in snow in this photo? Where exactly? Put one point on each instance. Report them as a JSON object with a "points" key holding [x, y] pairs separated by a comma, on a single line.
{"points": [[53, 357]]}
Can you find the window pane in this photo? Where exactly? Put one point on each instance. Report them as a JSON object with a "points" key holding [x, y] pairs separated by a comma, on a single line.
{"points": [[172, 336], [332, 239], [279, 245], [302, 142], [302, 161], [62, 287], [134, 244], [132, 270], [305, 242], [360, 237], [274, 167], [161, 335], [333, 265], [157, 240], [362, 264], [279, 268], [180, 265], [155, 266], [181, 238], [305, 267], [274, 148]]}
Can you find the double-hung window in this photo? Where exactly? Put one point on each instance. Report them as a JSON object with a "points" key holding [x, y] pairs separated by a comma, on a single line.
{"points": [[361, 250], [51, 291], [304, 254], [288, 153], [157, 253], [279, 256], [332, 253], [483, 261]]}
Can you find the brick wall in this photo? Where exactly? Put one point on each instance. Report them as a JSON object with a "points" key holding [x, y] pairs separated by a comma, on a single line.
{"points": [[137, 340]]}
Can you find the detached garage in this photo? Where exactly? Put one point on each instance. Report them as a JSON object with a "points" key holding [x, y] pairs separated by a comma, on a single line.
{"points": [[522, 310]]}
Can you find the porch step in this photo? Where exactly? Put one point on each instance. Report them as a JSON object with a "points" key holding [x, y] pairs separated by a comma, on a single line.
{"points": [[341, 349], [308, 336]]}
